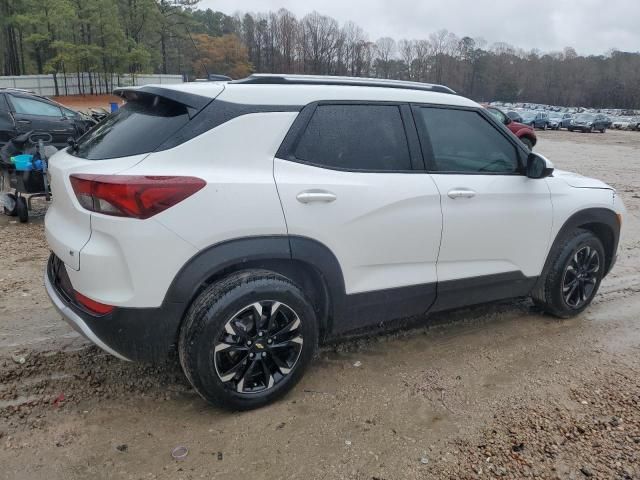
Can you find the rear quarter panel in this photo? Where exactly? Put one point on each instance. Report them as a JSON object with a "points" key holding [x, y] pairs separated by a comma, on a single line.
{"points": [[236, 160]]}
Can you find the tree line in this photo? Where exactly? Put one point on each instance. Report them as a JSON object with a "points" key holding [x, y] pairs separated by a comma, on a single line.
{"points": [[102, 37]]}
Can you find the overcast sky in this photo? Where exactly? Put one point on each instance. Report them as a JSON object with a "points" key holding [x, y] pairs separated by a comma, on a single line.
{"points": [[590, 26]]}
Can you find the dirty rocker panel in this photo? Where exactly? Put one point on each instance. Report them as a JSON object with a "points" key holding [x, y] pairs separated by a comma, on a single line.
{"points": [[150, 334]]}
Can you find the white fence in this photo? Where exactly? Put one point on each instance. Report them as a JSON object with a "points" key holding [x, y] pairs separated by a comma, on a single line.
{"points": [[70, 84]]}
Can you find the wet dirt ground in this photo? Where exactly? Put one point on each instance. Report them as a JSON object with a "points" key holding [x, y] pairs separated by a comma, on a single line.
{"points": [[497, 391]]}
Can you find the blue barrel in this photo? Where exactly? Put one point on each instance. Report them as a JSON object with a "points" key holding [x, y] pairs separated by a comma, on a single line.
{"points": [[114, 106]]}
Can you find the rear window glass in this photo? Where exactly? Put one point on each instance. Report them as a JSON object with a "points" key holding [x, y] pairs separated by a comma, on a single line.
{"points": [[356, 137], [140, 126]]}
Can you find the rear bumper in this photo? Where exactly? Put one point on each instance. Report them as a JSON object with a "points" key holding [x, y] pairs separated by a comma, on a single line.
{"points": [[132, 334], [73, 319]]}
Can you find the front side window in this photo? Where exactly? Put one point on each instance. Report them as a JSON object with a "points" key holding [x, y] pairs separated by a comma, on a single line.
{"points": [[464, 141], [356, 137], [28, 106]]}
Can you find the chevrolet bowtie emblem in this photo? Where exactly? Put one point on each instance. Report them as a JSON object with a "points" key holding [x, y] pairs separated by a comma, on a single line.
{"points": [[259, 345]]}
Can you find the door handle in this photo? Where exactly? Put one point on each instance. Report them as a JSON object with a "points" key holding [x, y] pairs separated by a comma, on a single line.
{"points": [[322, 196], [461, 193]]}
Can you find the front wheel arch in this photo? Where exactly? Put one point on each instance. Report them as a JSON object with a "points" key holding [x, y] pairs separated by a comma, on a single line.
{"points": [[602, 222]]}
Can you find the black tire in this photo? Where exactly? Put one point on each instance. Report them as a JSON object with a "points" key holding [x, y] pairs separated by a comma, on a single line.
{"points": [[14, 211], [544, 127], [528, 143], [557, 282], [570, 129], [590, 130], [21, 210], [603, 129], [207, 321]]}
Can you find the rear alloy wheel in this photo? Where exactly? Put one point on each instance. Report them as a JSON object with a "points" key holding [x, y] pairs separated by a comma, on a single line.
{"points": [[248, 339], [573, 276], [259, 347]]}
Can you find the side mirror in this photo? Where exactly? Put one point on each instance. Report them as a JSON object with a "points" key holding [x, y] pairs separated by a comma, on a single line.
{"points": [[507, 120], [538, 166]]}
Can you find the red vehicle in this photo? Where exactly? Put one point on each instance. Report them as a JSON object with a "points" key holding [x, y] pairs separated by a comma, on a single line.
{"points": [[524, 132]]}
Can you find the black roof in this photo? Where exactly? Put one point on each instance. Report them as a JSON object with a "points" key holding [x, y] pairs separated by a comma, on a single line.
{"points": [[276, 79]]}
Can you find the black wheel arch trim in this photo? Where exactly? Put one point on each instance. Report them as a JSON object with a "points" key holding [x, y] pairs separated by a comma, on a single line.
{"points": [[302, 259], [338, 312], [151, 334], [603, 222]]}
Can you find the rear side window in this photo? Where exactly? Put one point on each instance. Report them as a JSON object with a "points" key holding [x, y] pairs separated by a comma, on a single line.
{"points": [[356, 137], [140, 126], [28, 106], [464, 141]]}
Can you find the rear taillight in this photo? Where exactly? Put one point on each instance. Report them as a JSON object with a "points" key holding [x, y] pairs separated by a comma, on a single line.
{"points": [[92, 306], [132, 196]]}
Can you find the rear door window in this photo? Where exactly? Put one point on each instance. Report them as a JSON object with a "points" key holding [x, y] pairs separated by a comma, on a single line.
{"points": [[140, 126], [356, 137]]}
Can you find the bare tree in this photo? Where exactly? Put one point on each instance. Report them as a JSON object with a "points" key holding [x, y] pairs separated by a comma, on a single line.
{"points": [[385, 52], [408, 54]]}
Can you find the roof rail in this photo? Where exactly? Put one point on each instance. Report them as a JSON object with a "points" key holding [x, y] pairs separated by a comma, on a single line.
{"points": [[283, 79]]}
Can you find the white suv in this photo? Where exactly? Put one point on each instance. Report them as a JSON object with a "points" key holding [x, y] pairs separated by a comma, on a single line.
{"points": [[242, 223]]}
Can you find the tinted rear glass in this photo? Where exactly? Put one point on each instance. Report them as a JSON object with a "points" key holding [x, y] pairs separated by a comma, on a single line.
{"points": [[140, 126], [356, 137]]}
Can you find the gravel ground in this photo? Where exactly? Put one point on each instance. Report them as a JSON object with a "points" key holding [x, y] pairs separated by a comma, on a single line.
{"points": [[497, 391]]}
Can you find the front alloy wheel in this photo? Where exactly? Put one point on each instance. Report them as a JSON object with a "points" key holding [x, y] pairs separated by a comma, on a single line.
{"points": [[580, 277], [259, 346], [572, 276]]}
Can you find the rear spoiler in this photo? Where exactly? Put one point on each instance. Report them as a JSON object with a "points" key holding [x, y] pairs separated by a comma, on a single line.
{"points": [[193, 102]]}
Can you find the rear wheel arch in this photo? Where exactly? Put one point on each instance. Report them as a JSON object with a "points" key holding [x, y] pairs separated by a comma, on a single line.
{"points": [[307, 263]]}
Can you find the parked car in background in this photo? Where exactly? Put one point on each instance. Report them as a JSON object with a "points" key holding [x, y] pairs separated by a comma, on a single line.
{"points": [[22, 111], [621, 123], [627, 123], [588, 122], [567, 118], [536, 119], [513, 115], [555, 120], [523, 132]]}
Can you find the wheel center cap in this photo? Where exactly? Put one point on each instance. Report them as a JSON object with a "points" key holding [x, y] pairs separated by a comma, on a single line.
{"points": [[259, 346]]}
